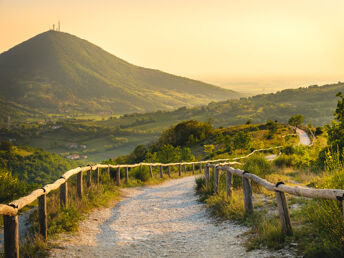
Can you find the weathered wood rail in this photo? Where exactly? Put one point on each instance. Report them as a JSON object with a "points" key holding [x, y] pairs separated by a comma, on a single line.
{"points": [[10, 211], [280, 189]]}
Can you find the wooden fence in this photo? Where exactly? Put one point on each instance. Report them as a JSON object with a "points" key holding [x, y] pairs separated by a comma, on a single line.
{"points": [[10, 211], [280, 189]]}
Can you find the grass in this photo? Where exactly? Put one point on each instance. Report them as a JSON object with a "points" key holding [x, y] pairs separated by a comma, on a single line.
{"points": [[318, 225]]}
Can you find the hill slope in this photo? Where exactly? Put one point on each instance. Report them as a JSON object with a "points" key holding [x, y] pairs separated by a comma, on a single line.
{"points": [[119, 135], [316, 103], [58, 72]]}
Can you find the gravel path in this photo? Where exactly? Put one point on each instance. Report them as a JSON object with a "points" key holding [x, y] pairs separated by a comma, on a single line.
{"points": [[303, 136], [159, 221]]}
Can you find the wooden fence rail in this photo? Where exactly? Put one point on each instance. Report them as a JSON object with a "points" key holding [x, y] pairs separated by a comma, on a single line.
{"points": [[10, 211], [280, 189]]}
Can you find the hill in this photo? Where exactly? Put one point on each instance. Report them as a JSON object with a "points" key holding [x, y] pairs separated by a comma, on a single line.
{"points": [[56, 72]]}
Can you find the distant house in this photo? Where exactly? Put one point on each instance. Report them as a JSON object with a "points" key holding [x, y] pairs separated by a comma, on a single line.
{"points": [[83, 146], [73, 156], [54, 127], [83, 157], [72, 145]]}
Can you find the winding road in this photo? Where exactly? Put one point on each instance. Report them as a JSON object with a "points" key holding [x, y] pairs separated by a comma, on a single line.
{"points": [[158, 221]]}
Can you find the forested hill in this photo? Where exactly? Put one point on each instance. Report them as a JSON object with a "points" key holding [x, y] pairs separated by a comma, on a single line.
{"points": [[316, 103], [56, 72]]}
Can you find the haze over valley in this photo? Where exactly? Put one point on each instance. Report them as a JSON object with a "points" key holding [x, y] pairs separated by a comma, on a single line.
{"points": [[171, 128]]}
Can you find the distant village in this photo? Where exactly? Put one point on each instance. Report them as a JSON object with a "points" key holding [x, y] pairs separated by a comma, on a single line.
{"points": [[74, 145]]}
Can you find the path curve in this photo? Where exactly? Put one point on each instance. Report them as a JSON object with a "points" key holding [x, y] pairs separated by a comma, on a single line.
{"points": [[303, 137], [158, 221]]}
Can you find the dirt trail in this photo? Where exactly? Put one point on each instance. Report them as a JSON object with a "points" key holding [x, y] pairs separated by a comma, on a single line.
{"points": [[303, 136], [159, 221]]}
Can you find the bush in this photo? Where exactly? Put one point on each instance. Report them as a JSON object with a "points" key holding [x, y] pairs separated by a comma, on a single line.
{"points": [[258, 165], [141, 173], [11, 187], [283, 161], [229, 209], [288, 150], [327, 222]]}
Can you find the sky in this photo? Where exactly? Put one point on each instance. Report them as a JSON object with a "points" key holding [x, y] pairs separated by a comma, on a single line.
{"points": [[232, 43]]}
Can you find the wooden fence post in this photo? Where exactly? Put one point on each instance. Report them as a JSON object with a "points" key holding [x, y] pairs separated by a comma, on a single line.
{"points": [[206, 172], [247, 194], [118, 176], [108, 171], [79, 184], [185, 168], [229, 182], [150, 171], [42, 216], [96, 175], [216, 180], [180, 170], [88, 177], [11, 236], [64, 195], [193, 168], [126, 175], [168, 171], [161, 174], [284, 213], [200, 168]]}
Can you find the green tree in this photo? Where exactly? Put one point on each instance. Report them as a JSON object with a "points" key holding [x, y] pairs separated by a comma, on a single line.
{"points": [[272, 127], [138, 155], [169, 154], [209, 148], [242, 140], [296, 120], [336, 129], [186, 155], [186, 132], [11, 187], [335, 134]]}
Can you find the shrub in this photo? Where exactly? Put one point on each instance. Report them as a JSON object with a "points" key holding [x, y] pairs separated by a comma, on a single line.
{"points": [[222, 207], [288, 150], [284, 160], [258, 165], [11, 187], [267, 231], [296, 120], [327, 222], [141, 173], [242, 140]]}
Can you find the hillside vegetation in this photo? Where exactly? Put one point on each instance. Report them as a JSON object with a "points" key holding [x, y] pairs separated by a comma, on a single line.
{"points": [[317, 224], [59, 73], [24, 168], [118, 135]]}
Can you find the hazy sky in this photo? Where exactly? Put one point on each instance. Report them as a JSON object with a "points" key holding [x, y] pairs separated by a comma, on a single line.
{"points": [[202, 39]]}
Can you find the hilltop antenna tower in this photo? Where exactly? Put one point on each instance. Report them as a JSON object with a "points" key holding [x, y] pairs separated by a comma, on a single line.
{"points": [[59, 26]]}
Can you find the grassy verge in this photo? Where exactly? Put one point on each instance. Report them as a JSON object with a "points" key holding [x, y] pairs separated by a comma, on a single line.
{"points": [[318, 225]]}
